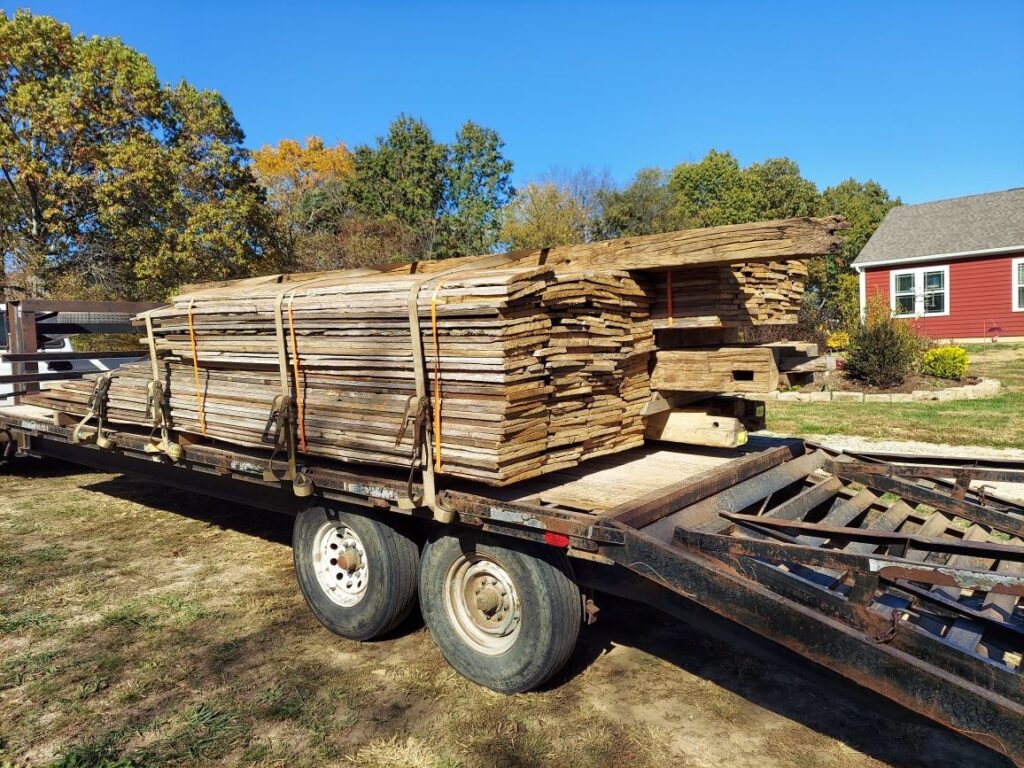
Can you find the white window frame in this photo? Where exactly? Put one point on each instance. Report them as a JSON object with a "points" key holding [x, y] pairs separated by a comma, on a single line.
{"points": [[1016, 284], [919, 273]]}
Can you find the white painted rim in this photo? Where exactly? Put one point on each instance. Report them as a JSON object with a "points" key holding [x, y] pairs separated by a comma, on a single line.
{"points": [[482, 604], [340, 564]]}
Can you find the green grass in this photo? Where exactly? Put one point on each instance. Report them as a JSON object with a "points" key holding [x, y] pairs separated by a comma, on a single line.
{"points": [[135, 636], [996, 422]]}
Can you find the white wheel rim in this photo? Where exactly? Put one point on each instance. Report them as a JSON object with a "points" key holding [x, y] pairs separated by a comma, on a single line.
{"points": [[483, 604], [340, 564]]}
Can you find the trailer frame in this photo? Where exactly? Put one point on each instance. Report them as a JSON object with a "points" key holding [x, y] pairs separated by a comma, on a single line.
{"points": [[760, 576]]}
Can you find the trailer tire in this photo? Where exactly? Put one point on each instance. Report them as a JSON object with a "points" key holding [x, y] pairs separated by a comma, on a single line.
{"points": [[370, 586], [506, 618]]}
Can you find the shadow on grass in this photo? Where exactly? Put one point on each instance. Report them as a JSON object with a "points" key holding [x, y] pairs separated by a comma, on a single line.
{"points": [[732, 658]]}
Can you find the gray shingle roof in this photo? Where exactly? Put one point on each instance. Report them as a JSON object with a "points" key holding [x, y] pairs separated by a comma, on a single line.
{"points": [[960, 225]]}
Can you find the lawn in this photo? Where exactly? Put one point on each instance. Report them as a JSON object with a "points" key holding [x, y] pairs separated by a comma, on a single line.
{"points": [[141, 626], [995, 422]]}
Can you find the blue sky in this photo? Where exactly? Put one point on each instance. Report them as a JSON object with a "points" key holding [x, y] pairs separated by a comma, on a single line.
{"points": [[925, 97]]}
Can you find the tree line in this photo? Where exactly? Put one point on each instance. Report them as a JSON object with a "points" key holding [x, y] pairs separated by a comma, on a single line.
{"points": [[114, 185]]}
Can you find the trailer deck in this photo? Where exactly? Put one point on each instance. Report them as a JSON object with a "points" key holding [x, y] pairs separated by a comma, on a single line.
{"points": [[899, 573]]}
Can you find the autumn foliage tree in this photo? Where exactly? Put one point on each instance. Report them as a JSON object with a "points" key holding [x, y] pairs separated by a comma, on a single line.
{"points": [[111, 183], [405, 197], [305, 185]]}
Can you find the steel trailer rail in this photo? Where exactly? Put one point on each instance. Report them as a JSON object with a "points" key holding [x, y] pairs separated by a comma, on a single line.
{"points": [[895, 573]]}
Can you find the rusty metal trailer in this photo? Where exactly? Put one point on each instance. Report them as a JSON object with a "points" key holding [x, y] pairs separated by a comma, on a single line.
{"points": [[898, 573]]}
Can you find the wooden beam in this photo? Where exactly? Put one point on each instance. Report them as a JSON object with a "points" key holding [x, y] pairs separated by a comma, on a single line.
{"points": [[691, 428], [729, 369], [779, 240]]}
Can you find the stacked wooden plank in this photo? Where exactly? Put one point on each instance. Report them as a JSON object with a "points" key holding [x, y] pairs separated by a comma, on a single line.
{"points": [[534, 371], [534, 360], [597, 360], [728, 369], [728, 297], [799, 362]]}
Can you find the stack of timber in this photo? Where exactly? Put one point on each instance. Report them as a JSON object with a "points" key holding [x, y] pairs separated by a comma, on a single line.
{"points": [[715, 370], [534, 360], [728, 297], [534, 372], [799, 362], [754, 369]]}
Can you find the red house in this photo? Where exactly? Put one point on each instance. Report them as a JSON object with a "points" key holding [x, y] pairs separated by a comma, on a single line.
{"points": [[956, 266]]}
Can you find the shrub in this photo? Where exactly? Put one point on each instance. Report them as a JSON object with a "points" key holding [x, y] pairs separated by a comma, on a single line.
{"points": [[838, 340], [884, 349], [945, 362]]}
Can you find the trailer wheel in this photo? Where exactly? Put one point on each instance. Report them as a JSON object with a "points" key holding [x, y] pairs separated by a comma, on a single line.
{"points": [[358, 575], [505, 618]]}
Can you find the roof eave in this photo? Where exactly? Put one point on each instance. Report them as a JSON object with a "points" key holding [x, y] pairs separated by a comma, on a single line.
{"points": [[938, 257]]}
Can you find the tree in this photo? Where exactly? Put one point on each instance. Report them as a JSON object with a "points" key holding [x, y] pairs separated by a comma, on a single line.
{"points": [[778, 191], [305, 187], [477, 186], [712, 192], [406, 198], [546, 214], [864, 204], [401, 179], [112, 183], [645, 207]]}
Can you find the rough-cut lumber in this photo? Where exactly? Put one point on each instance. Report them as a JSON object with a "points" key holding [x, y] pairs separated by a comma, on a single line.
{"points": [[536, 372], [799, 362], [729, 369], [728, 297], [740, 244], [695, 428], [534, 360]]}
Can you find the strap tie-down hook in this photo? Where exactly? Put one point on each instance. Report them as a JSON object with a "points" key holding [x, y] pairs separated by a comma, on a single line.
{"points": [[96, 409]]}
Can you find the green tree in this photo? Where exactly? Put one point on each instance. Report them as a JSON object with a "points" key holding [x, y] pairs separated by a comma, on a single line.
{"points": [[712, 192], [644, 207], [563, 207], [113, 184], [401, 179], [864, 204], [477, 184], [779, 191], [546, 214]]}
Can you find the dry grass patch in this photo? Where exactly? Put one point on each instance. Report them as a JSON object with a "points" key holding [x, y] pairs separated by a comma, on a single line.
{"points": [[147, 627]]}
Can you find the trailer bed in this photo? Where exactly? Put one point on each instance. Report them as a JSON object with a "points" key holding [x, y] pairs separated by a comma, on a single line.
{"points": [[901, 574]]}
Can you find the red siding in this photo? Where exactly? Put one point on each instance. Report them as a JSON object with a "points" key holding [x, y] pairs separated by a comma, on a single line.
{"points": [[980, 297]]}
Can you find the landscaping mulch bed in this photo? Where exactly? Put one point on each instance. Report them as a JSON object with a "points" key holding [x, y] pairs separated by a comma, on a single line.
{"points": [[839, 381]]}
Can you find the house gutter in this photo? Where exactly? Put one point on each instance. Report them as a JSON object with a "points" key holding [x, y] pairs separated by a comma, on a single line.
{"points": [[939, 257]]}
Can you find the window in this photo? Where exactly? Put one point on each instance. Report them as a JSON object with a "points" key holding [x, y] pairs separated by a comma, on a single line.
{"points": [[922, 291], [905, 294], [1018, 285], [935, 292]]}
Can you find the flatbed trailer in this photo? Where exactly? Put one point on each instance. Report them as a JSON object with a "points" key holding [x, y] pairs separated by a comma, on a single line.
{"points": [[899, 573]]}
